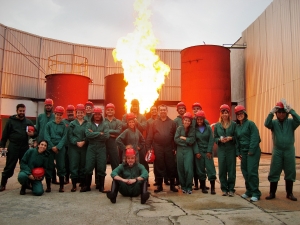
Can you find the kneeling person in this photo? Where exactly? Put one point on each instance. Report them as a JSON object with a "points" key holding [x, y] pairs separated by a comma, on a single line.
{"points": [[130, 179]]}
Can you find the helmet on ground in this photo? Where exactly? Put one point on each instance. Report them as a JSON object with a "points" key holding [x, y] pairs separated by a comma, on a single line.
{"points": [[200, 113], [279, 105], [239, 108], [80, 107], [150, 157], [181, 104], [30, 128], [89, 103], [97, 110], [110, 105], [38, 172], [48, 101], [130, 152], [196, 104], [70, 108], [130, 116], [59, 109], [224, 107], [188, 115]]}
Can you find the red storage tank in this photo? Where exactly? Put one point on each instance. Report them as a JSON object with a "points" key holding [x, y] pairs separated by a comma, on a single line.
{"points": [[205, 78], [114, 87], [67, 89]]}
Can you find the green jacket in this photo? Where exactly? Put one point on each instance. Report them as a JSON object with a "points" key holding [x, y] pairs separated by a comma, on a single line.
{"points": [[67, 123], [41, 122], [229, 132], [95, 138], [126, 172], [88, 117], [178, 121], [115, 126], [204, 141], [33, 159], [190, 137], [56, 134], [76, 132], [141, 122], [130, 137]]}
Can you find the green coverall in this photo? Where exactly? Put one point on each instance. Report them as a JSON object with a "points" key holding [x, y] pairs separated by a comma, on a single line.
{"points": [[226, 156], [96, 151], [41, 122], [247, 145], [77, 155], [55, 135], [127, 172], [115, 128], [178, 121], [88, 117], [283, 155], [33, 159], [204, 144], [185, 157]]}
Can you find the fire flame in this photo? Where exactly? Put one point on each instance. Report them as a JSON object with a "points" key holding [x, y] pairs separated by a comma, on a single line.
{"points": [[143, 70]]}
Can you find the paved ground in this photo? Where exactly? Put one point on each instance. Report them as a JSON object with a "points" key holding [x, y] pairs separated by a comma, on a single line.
{"points": [[162, 208]]}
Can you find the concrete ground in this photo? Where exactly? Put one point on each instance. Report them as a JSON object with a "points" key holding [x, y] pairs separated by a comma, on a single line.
{"points": [[162, 208]]}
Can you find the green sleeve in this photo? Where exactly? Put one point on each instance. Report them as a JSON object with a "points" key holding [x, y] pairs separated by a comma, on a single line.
{"points": [[254, 137], [196, 148], [24, 162], [5, 134], [143, 172], [121, 139], [141, 143], [47, 135], [89, 134], [142, 125], [117, 171], [72, 139], [296, 119], [62, 141], [211, 140], [269, 121], [216, 134], [118, 129]]}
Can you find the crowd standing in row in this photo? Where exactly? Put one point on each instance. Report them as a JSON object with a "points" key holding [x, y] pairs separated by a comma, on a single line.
{"points": [[183, 149]]}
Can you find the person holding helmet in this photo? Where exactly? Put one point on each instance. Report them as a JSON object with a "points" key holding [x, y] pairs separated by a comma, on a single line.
{"points": [[202, 147], [129, 178], [181, 109], [185, 138], [34, 158], [89, 107], [97, 132], [131, 136], [115, 128], [55, 135], [77, 148], [224, 138], [248, 151], [283, 154]]}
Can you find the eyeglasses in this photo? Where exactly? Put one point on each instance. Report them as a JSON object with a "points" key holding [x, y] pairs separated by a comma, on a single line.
{"points": [[240, 113]]}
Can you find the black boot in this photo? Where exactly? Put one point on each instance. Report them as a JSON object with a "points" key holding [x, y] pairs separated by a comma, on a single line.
{"points": [[74, 182], [166, 181], [196, 186], [172, 185], [61, 184], [48, 183], [144, 193], [202, 186], [3, 183], [67, 179], [212, 185], [273, 189], [82, 184], [102, 182], [207, 188], [289, 190], [23, 189], [159, 185], [112, 195], [88, 182]]}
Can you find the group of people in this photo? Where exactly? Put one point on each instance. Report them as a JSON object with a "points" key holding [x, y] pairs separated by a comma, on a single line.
{"points": [[183, 149]]}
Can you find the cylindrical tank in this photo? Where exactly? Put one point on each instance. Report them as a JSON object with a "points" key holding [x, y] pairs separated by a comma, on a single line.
{"points": [[67, 89], [114, 88], [205, 78]]}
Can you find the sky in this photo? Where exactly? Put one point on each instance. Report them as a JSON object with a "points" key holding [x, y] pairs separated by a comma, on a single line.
{"points": [[177, 24]]}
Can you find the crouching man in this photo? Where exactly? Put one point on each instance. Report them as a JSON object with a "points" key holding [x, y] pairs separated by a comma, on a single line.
{"points": [[129, 178]]}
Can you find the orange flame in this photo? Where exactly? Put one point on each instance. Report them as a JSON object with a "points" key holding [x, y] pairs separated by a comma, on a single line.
{"points": [[143, 70]]}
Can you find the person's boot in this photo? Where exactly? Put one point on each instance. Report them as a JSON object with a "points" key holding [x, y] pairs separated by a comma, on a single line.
{"points": [[159, 187], [88, 182], [3, 183], [48, 183], [67, 179], [172, 185], [23, 189], [166, 181], [97, 180], [61, 184], [144, 193], [202, 185], [289, 190], [273, 189], [102, 182], [207, 188], [74, 182], [196, 186], [212, 185], [112, 195], [54, 181], [82, 184]]}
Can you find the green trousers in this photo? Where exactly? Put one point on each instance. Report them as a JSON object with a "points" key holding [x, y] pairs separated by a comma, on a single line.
{"points": [[185, 168], [37, 186], [205, 166], [227, 169]]}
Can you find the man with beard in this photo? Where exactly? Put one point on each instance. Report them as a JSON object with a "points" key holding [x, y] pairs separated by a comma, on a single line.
{"points": [[181, 109], [89, 108], [16, 131]]}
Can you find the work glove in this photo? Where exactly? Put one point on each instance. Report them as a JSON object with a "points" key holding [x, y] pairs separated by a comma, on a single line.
{"points": [[286, 106], [274, 110]]}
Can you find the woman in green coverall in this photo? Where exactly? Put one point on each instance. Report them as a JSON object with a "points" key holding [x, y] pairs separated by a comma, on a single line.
{"points": [[129, 178], [283, 155], [184, 139], [33, 158], [202, 147], [97, 132], [224, 138], [77, 147], [248, 151]]}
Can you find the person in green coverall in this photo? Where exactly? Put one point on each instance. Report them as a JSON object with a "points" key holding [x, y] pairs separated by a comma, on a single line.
{"points": [[224, 138], [129, 178], [248, 151], [181, 109], [97, 132], [33, 158], [89, 108], [17, 132], [115, 128], [202, 148], [283, 155], [55, 135], [184, 139], [77, 148]]}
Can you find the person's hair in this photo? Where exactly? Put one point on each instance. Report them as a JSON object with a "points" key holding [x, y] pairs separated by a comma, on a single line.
{"points": [[42, 141], [163, 105], [225, 125], [21, 105], [93, 120]]}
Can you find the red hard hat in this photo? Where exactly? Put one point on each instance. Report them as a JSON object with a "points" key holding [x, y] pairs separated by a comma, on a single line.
{"points": [[110, 105], [89, 103], [97, 110], [59, 109], [38, 172], [181, 104], [70, 108], [188, 115], [224, 107], [130, 152], [30, 128], [280, 105], [196, 104], [150, 157], [80, 107], [48, 101], [130, 116], [200, 113], [239, 108]]}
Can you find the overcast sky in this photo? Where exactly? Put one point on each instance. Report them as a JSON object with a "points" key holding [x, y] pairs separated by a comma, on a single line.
{"points": [[177, 24]]}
